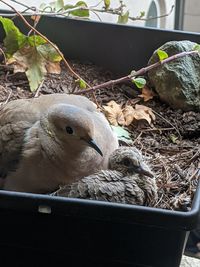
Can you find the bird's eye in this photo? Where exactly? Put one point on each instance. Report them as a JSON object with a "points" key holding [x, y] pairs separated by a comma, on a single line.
{"points": [[69, 130], [127, 162]]}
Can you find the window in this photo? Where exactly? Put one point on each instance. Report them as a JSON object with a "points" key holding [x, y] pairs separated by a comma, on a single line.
{"points": [[152, 12]]}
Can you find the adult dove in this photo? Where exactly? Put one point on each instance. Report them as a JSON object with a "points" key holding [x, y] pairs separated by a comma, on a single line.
{"points": [[52, 140], [128, 180]]}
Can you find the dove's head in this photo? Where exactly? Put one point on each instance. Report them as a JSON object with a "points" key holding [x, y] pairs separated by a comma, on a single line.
{"points": [[71, 125], [129, 160]]}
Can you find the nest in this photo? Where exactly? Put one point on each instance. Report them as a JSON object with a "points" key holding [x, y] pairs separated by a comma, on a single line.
{"points": [[171, 144]]}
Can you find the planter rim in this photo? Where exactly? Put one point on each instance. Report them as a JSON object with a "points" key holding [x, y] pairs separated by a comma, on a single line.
{"points": [[101, 210]]}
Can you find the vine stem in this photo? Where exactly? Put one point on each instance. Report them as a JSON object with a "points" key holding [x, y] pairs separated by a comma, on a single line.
{"points": [[46, 39], [140, 72]]}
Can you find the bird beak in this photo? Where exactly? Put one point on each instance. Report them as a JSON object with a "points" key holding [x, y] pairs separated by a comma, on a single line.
{"points": [[93, 144], [144, 169]]}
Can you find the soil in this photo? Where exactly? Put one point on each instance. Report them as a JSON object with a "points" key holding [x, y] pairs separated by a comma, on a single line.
{"points": [[171, 145]]}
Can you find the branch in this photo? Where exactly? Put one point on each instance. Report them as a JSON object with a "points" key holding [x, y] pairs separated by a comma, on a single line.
{"points": [[113, 11], [47, 40], [150, 18], [140, 72]]}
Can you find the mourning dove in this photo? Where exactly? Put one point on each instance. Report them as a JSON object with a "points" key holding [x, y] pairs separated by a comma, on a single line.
{"points": [[128, 180], [52, 140]]}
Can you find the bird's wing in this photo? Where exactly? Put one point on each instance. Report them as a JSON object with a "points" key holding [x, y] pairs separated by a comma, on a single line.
{"points": [[133, 193], [15, 118], [103, 185], [150, 189]]}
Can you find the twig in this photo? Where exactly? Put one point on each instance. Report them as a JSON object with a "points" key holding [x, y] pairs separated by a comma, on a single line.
{"points": [[168, 123], [1, 50], [151, 18], [194, 157], [139, 135], [24, 5], [46, 39], [140, 72], [158, 129], [8, 98], [113, 11], [38, 89]]}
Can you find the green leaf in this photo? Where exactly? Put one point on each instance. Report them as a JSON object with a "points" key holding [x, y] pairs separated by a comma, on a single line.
{"points": [[107, 4], [196, 47], [123, 18], [80, 12], [122, 134], [81, 83], [142, 14], [14, 39], [68, 7], [59, 5], [35, 40], [162, 54], [139, 82], [49, 53]]}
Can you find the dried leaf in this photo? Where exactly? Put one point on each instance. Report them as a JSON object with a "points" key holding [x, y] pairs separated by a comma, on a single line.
{"points": [[53, 67], [128, 113], [36, 18], [114, 113], [147, 94], [144, 113]]}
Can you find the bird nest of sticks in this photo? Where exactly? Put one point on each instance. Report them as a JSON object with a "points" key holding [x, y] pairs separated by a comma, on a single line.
{"points": [[170, 141]]}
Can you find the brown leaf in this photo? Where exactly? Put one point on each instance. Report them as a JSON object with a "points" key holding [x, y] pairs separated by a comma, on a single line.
{"points": [[147, 93], [53, 67], [128, 113], [114, 113], [36, 18], [144, 113]]}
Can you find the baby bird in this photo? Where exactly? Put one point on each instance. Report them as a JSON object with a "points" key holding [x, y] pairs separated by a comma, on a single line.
{"points": [[128, 180]]}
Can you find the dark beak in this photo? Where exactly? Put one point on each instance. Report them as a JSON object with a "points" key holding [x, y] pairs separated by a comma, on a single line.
{"points": [[144, 169], [93, 144]]}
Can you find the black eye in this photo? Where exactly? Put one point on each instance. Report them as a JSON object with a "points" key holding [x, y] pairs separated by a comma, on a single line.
{"points": [[127, 162], [69, 130]]}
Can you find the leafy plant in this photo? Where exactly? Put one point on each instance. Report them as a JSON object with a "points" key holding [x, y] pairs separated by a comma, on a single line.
{"points": [[29, 54]]}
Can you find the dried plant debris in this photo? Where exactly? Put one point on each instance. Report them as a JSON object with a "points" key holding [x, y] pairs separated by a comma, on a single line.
{"points": [[169, 139], [117, 115]]}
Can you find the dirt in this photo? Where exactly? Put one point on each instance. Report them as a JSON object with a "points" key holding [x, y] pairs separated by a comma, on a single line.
{"points": [[171, 144]]}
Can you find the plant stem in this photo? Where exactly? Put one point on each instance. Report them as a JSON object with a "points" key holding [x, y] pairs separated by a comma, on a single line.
{"points": [[140, 72]]}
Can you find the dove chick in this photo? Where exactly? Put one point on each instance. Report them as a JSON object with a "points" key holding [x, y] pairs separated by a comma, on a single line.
{"points": [[52, 140], [128, 180]]}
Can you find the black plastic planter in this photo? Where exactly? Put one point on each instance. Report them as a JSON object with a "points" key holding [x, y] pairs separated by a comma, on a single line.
{"points": [[71, 232]]}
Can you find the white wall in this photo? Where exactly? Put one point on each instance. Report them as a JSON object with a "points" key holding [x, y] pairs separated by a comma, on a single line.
{"points": [[134, 7], [192, 16]]}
